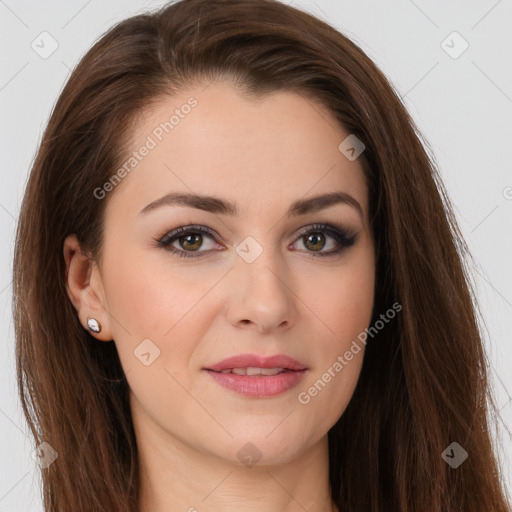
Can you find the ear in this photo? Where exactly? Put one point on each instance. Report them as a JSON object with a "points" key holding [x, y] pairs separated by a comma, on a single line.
{"points": [[85, 288]]}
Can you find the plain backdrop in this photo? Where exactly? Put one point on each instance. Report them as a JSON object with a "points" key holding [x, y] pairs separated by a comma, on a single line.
{"points": [[450, 61]]}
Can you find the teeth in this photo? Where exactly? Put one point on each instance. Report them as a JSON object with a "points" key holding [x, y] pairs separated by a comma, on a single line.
{"points": [[254, 371], [271, 371]]}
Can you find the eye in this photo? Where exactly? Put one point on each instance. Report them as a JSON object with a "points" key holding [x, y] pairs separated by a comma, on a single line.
{"points": [[187, 240], [314, 239]]}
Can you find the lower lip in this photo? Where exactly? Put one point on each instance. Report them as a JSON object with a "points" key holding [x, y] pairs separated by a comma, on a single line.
{"points": [[258, 386]]}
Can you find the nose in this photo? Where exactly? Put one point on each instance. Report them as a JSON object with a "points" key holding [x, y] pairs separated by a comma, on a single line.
{"points": [[262, 296]]}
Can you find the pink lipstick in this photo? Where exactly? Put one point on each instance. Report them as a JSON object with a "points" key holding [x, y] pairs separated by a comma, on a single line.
{"points": [[259, 377]]}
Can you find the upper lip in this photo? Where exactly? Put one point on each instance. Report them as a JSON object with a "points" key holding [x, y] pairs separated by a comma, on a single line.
{"points": [[256, 361]]}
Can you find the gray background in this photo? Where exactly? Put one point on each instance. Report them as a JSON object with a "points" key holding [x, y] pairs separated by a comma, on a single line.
{"points": [[462, 105]]}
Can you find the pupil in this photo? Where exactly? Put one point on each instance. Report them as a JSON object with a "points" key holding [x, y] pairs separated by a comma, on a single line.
{"points": [[316, 239], [188, 244]]}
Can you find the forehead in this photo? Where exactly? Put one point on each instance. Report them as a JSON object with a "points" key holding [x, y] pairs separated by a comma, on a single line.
{"points": [[258, 152]]}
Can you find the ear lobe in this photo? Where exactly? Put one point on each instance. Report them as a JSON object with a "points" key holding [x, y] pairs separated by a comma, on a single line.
{"points": [[80, 289]]}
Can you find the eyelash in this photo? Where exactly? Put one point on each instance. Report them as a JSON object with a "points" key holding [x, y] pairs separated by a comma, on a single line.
{"points": [[340, 235]]}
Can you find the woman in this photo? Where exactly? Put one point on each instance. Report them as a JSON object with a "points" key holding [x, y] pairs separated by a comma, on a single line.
{"points": [[239, 282]]}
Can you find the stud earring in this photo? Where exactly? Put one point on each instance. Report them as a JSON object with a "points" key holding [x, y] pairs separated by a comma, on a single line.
{"points": [[93, 325]]}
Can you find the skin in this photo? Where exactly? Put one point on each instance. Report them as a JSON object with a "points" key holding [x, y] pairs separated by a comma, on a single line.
{"points": [[263, 154]]}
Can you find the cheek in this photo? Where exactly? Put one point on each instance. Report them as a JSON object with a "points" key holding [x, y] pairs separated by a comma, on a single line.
{"points": [[343, 307], [155, 301], [342, 300], [150, 298], [329, 389]]}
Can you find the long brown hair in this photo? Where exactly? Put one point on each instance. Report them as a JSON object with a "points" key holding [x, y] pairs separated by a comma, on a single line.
{"points": [[423, 384]]}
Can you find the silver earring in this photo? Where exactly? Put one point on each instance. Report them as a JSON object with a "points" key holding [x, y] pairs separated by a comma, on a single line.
{"points": [[93, 325]]}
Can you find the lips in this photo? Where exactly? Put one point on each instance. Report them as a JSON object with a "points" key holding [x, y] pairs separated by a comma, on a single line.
{"points": [[252, 362], [254, 376]]}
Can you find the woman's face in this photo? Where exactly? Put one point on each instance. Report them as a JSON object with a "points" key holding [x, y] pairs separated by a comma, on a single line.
{"points": [[251, 285]]}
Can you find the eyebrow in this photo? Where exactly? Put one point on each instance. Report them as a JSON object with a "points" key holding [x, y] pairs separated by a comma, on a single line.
{"points": [[220, 206]]}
